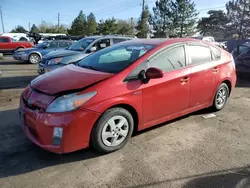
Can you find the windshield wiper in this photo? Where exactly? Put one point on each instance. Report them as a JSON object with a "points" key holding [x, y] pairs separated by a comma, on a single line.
{"points": [[89, 67]]}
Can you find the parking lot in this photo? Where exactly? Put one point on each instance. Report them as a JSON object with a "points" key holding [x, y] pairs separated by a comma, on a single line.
{"points": [[192, 151]]}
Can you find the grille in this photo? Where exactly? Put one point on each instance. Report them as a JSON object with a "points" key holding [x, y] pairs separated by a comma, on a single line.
{"points": [[31, 106]]}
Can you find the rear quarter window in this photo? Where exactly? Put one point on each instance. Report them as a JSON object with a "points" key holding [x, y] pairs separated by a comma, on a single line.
{"points": [[216, 52]]}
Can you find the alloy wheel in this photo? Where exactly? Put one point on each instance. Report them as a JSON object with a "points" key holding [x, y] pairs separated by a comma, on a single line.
{"points": [[221, 97], [115, 131]]}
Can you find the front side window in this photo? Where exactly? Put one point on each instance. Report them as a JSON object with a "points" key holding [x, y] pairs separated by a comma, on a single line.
{"points": [[170, 59], [243, 49], [81, 44], [63, 44], [115, 58], [102, 44], [53, 44], [199, 54]]}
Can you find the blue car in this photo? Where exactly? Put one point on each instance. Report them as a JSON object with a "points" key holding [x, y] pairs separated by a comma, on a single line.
{"points": [[34, 55]]}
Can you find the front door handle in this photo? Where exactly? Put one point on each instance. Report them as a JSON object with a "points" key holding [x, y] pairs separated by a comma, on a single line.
{"points": [[184, 80]]}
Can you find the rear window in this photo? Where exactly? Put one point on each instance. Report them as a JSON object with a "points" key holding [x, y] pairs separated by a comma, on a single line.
{"points": [[199, 54], [216, 52], [4, 39]]}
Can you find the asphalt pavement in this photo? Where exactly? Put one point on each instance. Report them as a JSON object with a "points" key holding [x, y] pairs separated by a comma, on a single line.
{"points": [[191, 151]]}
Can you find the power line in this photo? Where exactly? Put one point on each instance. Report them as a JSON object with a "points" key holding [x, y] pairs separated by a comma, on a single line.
{"points": [[1, 14], [100, 11]]}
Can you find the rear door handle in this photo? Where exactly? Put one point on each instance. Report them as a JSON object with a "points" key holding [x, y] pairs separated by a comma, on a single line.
{"points": [[215, 70]]}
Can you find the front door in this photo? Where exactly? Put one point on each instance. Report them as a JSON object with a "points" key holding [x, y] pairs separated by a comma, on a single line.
{"points": [[203, 77], [167, 96]]}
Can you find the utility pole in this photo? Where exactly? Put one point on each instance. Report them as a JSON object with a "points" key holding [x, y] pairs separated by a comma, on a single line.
{"points": [[143, 5], [1, 14], [29, 26], [58, 21]]}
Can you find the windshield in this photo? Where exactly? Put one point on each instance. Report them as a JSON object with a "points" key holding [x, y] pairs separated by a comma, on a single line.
{"points": [[81, 44], [116, 58]]}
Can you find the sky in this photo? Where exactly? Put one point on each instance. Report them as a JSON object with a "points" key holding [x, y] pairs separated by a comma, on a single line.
{"points": [[23, 12]]}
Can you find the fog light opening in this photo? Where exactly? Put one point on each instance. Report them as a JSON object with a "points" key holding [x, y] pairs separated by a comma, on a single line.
{"points": [[57, 136]]}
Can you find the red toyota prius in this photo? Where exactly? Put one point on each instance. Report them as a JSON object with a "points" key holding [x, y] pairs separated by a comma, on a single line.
{"points": [[127, 87]]}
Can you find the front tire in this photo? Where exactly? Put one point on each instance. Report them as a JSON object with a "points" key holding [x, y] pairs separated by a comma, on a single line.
{"points": [[221, 97], [34, 58], [113, 130]]}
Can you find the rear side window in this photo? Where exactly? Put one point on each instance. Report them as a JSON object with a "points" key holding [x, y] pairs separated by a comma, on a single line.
{"points": [[117, 40], [171, 59], [199, 54], [216, 52]]}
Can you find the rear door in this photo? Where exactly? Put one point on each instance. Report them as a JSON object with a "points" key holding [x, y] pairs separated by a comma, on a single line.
{"points": [[203, 78], [168, 95]]}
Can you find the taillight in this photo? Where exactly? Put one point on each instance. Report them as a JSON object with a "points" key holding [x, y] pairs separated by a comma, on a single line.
{"points": [[232, 60]]}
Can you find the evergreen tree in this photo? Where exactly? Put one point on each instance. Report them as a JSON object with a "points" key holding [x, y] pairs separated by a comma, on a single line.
{"points": [[239, 18], [183, 17], [161, 18], [142, 25], [34, 29], [92, 25], [109, 26], [79, 25], [124, 27], [18, 29], [214, 25]]}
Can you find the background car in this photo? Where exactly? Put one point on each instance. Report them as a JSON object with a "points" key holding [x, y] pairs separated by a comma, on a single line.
{"points": [[77, 51], [241, 56], [34, 55], [133, 85], [8, 45]]}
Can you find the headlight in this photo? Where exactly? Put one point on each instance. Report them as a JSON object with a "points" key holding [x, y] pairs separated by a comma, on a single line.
{"points": [[69, 102], [54, 61]]}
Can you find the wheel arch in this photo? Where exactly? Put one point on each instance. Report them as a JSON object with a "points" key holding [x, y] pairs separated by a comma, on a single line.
{"points": [[127, 107], [19, 47], [229, 84], [131, 110]]}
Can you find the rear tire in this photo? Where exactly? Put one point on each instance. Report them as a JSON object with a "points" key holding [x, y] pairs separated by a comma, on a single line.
{"points": [[112, 131], [34, 58], [221, 97]]}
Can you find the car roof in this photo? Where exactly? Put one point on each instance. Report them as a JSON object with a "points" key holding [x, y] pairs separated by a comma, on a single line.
{"points": [[160, 41], [107, 36]]}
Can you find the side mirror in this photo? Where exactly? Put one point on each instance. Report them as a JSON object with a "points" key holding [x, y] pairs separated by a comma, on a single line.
{"points": [[151, 73], [93, 49], [45, 46], [154, 73]]}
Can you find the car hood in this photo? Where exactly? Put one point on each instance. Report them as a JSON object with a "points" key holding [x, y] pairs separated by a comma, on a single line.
{"points": [[26, 49], [61, 53], [67, 78]]}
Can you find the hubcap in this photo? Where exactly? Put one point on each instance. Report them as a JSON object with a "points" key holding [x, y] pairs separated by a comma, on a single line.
{"points": [[115, 131], [34, 59], [221, 97]]}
